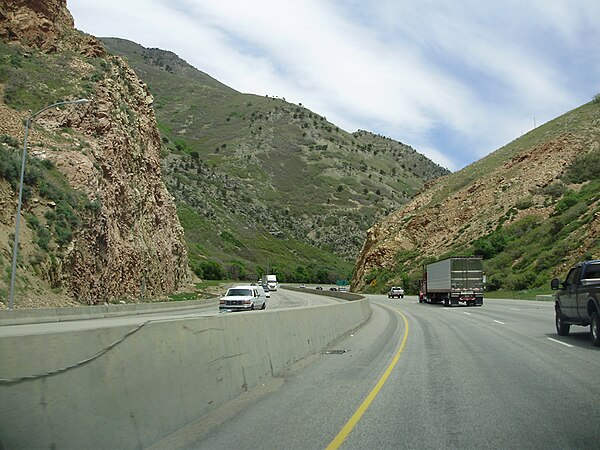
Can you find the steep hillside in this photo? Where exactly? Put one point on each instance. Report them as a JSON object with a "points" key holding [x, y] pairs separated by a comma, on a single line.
{"points": [[98, 223], [530, 209], [261, 181]]}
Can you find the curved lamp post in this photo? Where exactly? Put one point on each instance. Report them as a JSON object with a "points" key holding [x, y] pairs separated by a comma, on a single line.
{"points": [[19, 203]]}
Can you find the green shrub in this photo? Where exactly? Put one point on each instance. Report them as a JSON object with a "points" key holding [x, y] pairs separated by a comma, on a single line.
{"points": [[10, 167], [585, 167], [490, 245], [94, 206], [494, 283], [9, 140], [548, 259], [43, 238], [569, 199], [524, 203], [554, 190], [236, 270], [519, 282], [64, 234], [209, 270]]}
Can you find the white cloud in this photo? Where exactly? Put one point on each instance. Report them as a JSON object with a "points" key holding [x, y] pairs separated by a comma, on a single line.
{"points": [[438, 157], [455, 80]]}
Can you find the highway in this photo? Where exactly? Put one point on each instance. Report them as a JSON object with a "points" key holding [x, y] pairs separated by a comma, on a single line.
{"points": [[281, 299], [424, 376]]}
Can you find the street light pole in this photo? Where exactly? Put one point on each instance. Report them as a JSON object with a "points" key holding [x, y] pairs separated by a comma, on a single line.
{"points": [[20, 201]]}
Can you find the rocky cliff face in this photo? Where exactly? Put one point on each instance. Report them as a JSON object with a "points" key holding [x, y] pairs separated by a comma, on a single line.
{"points": [[132, 242], [506, 186], [46, 25]]}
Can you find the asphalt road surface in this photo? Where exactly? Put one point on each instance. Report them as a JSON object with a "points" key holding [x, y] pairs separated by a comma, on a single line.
{"points": [[425, 376]]}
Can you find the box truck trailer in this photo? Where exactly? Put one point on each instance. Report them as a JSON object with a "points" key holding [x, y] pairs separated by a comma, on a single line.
{"points": [[271, 281], [453, 280]]}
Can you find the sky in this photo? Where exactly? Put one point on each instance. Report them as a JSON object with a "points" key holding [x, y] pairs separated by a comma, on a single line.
{"points": [[454, 79]]}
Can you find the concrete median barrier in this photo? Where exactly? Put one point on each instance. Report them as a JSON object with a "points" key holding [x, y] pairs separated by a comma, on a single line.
{"points": [[128, 387], [46, 315]]}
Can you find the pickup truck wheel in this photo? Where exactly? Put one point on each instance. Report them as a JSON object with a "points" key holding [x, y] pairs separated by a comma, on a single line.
{"points": [[562, 328], [595, 328]]}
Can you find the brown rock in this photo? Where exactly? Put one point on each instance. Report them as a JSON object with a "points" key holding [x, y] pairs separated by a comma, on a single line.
{"points": [[131, 238]]}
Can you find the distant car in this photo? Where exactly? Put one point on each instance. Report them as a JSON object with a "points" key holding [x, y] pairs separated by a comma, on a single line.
{"points": [[263, 291], [243, 298], [319, 288], [302, 286], [396, 291], [267, 290]]}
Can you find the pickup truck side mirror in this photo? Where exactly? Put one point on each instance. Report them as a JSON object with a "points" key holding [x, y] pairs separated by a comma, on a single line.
{"points": [[554, 284]]}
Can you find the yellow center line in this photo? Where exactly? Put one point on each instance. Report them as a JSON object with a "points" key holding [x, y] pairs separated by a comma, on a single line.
{"points": [[353, 421]]}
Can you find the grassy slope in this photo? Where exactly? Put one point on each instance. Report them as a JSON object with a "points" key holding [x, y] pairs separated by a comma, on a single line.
{"points": [[525, 254], [263, 181], [577, 122]]}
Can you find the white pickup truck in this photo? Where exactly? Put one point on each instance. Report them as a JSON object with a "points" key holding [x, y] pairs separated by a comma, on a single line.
{"points": [[396, 291], [243, 298]]}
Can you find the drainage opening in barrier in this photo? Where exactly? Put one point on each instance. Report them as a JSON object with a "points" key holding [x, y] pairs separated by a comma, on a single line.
{"points": [[334, 352]]}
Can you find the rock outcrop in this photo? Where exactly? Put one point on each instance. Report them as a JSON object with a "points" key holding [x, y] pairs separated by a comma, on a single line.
{"points": [[132, 244], [453, 211], [46, 25]]}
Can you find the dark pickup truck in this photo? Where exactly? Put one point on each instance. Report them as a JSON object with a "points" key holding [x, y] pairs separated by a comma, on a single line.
{"points": [[577, 301]]}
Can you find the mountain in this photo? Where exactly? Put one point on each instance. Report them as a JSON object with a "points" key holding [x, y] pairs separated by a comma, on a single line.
{"points": [[98, 223], [530, 209], [262, 182]]}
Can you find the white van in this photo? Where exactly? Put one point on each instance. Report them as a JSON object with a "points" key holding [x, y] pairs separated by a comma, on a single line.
{"points": [[243, 298]]}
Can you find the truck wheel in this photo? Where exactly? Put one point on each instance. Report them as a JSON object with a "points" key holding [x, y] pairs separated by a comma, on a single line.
{"points": [[562, 328], [595, 328]]}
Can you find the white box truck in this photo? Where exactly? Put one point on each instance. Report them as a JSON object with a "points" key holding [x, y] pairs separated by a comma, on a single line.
{"points": [[453, 280], [272, 282]]}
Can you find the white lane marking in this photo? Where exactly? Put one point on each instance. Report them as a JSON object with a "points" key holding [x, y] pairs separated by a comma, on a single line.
{"points": [[515, 309], [501, 323], [559, 342], [468, 314]]}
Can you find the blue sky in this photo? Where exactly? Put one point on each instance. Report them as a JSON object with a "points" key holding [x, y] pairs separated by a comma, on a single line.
{"points": [[455, 79]]}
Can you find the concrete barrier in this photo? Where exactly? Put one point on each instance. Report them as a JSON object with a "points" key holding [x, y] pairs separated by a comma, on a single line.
{"points": [[45, 315], [349, 296], [128, 387]]}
